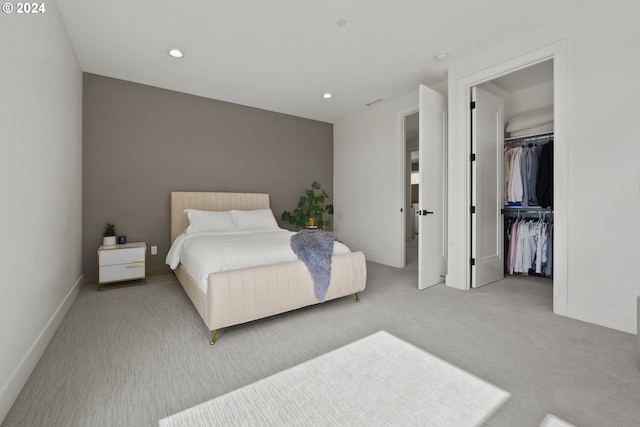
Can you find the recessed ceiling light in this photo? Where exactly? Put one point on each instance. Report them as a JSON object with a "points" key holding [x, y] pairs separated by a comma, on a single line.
{"points": [[441, 57], [327, 95], [176, 53]]}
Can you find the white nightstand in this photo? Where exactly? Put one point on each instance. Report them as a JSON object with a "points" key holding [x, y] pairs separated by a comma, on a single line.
{"points": [[122, 263]]}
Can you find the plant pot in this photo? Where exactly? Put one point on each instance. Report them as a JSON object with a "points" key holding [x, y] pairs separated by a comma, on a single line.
{"points": [[109, 241]]}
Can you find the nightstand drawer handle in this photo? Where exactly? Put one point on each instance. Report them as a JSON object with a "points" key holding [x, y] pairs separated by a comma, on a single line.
{"points": [[134, 265]]}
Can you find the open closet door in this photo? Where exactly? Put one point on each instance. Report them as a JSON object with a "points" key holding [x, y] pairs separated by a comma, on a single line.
{"points": [[432, 262], [487, 140]]}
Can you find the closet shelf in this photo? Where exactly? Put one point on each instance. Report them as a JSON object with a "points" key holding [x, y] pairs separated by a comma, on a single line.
{"points": [[527, 208], [527, 212]]}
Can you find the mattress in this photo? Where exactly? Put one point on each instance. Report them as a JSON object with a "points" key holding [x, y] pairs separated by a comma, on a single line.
{"points": [[211, 252]]}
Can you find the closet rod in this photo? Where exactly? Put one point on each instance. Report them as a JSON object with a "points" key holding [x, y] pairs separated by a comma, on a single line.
{"points": [[532, 136], [526, 210], [545, 137]]}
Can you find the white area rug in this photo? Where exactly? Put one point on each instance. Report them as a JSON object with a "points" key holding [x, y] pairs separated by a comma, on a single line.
{"points": [[378, 380], [552, 421]]}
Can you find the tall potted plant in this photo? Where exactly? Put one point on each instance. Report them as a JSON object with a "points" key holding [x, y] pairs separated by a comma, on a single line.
{"points": [[109, 234], [311, 209]]}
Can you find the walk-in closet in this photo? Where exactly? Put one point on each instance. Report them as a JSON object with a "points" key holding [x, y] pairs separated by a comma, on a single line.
{"points": [[518, 108], [528, 210]]}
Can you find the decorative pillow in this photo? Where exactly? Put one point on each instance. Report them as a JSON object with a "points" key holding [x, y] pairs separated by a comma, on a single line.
{"points": [[259, 219], [200, 221]]}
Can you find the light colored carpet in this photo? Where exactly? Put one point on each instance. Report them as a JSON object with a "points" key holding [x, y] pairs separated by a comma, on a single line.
{"points": [[133, 356], [378, 380]]}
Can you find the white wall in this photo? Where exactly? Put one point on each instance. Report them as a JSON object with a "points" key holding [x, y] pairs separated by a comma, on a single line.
{"points": [[41, 182], [524, 100], [604, 170], [528, 99], [603, 177], [368, 175]]}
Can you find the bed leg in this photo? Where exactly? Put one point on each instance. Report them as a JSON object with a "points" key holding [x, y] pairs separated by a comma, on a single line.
{"points": [[213, 336], [357, 298]]}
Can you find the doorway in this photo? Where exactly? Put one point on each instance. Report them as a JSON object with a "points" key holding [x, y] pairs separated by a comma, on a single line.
{"points": [[432, 199], [462, 79], [412, 173], [512, 145], [411, 185]]}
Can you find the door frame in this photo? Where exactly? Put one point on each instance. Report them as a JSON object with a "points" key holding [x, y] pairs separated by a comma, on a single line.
{"points": [[401, 116], [459, 268]]}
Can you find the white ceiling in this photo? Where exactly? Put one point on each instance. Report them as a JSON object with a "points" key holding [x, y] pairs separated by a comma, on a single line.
{"points": [[282, 55]]}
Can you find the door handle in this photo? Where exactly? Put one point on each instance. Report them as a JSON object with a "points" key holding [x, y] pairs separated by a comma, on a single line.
{"points": [[425, 212]]}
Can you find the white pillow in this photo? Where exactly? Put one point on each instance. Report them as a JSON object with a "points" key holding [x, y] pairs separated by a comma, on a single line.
{"points": [[259, 219], [200, 221], [532, 131], [530, 119]]}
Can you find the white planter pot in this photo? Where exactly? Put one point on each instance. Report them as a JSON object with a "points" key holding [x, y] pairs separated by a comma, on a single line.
{"points": [[109, 241]]}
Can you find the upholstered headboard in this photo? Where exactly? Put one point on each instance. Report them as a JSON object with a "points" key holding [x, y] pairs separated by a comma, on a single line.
{"points": [[181, 200]]}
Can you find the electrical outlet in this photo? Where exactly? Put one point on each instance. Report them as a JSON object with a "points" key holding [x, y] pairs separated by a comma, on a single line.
{"points": [[154, 250]]}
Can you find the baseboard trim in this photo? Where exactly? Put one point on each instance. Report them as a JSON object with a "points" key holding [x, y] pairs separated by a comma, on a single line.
{"points": [[625, 322], [18, 378], [158, 270], [382, 259]]}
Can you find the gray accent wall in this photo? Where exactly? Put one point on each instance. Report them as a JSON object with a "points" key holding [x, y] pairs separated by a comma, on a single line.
{"points": [[142, 142]]}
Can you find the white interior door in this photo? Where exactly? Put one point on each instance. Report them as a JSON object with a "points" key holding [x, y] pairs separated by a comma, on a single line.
{"points": [[487, 258], [432, 262]]}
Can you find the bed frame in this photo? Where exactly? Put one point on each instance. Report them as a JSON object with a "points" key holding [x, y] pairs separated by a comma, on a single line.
{"points": [[239, 296]]}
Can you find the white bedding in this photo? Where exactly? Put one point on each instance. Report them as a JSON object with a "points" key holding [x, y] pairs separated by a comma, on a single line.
{"points": [[212, 252]]}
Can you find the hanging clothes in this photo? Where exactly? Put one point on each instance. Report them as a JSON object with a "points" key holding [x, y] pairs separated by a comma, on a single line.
{"points": [[533, 159], [512, 246], [548, 269], [528, 173], [524, 174], [508, 156], [544, 185], [530, 246], [528, 182], [513, 178]]}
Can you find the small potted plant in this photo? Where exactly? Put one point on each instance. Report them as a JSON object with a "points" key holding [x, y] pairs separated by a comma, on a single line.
{"points": [[311, 209], [109, 235]]}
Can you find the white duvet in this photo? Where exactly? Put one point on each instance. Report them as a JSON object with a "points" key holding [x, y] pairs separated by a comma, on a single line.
{"points": [[212, 252]]}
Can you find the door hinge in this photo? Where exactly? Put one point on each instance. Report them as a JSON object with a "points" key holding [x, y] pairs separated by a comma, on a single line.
{"points": [[472, 261], [472, 209], [472, 105], [473, 157]]}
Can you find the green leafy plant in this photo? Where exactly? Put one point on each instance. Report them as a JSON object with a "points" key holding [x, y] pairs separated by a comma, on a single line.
{"points": [[311, 206], [109, 230]]}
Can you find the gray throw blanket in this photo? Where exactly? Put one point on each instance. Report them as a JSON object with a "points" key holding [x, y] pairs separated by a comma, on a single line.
{"points": [[314, 248]]}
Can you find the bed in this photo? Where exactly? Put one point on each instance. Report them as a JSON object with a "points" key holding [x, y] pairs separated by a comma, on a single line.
{"points": [[244, 294]]}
